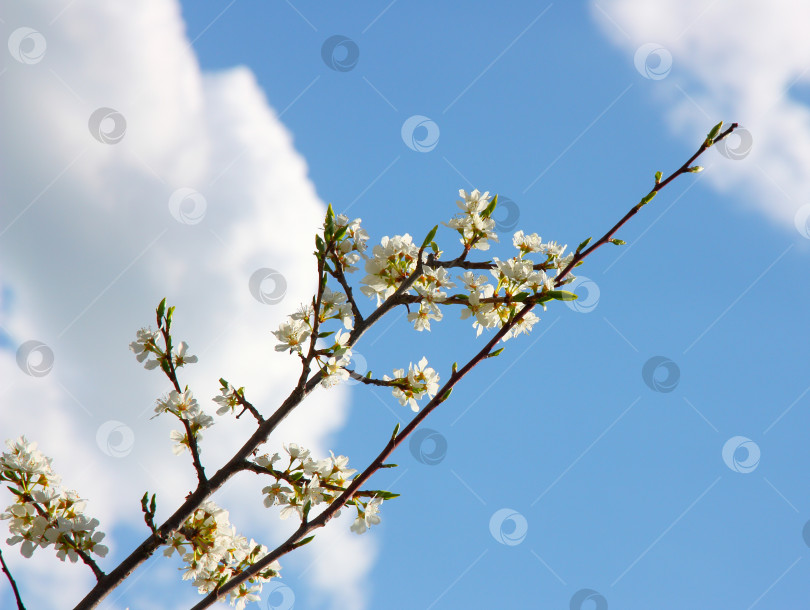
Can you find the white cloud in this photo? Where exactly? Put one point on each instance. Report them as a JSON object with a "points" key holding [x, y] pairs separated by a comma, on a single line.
{"points": [[89, 246], [738, 61]]}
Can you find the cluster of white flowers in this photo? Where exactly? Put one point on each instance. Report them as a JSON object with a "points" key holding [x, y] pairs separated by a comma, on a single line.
{"points": [[353, 245], [420, 381], [476, 227], [393, 260], [183, 405], [214, 553], [43, 513], [145, 345], [308, 481]]}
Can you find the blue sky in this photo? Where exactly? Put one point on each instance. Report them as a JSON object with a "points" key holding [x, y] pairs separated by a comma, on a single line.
{"points": [[681, 487]]}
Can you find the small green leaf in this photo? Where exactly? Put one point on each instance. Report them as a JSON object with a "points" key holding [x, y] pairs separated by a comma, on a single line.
{"points": [[618, 242], [306, 540], [325, 333], [562, 295], [161, 308], [586, 242], [385, 495], [658, 177], [695, 169], [490, 208], [455, 368], [497, 352], [388, 465], [650, 196], [396, 431], [295, 476], [430, 237], [341, 233], [169, 315], [520, 297], [713, 133], [152, 505], [329, 223], [144, 501], [446, 395], [434, 247]]}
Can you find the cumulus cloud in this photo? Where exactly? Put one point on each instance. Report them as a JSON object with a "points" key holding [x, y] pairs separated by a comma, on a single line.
{"points": [[129, 175], [739, 61]]}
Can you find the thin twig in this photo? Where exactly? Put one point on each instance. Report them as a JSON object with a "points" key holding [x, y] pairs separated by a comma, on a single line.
{"points": [[20, 605]]}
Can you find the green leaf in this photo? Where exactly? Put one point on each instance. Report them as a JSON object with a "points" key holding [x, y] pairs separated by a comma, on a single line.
{"points": [[161, 308], [222, 382], [430, 236], [325, 333], [144, 500], [446, 395], [169, 315], [520, 297], [434, 247], [306, 540], [455, 368], [562, 295], [714, 132], [341, 233], [650, 196], [295, 476], [385, 495], [319, 245], [658, 177], [396, 431], [490, 208], [388, 465], [586, 242], [618, 242], [152, 505], [497, 352], [695, 169], [329, 223]]}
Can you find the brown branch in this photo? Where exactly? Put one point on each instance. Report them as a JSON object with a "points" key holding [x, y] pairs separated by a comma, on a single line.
{"points": [[20, 605]]}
